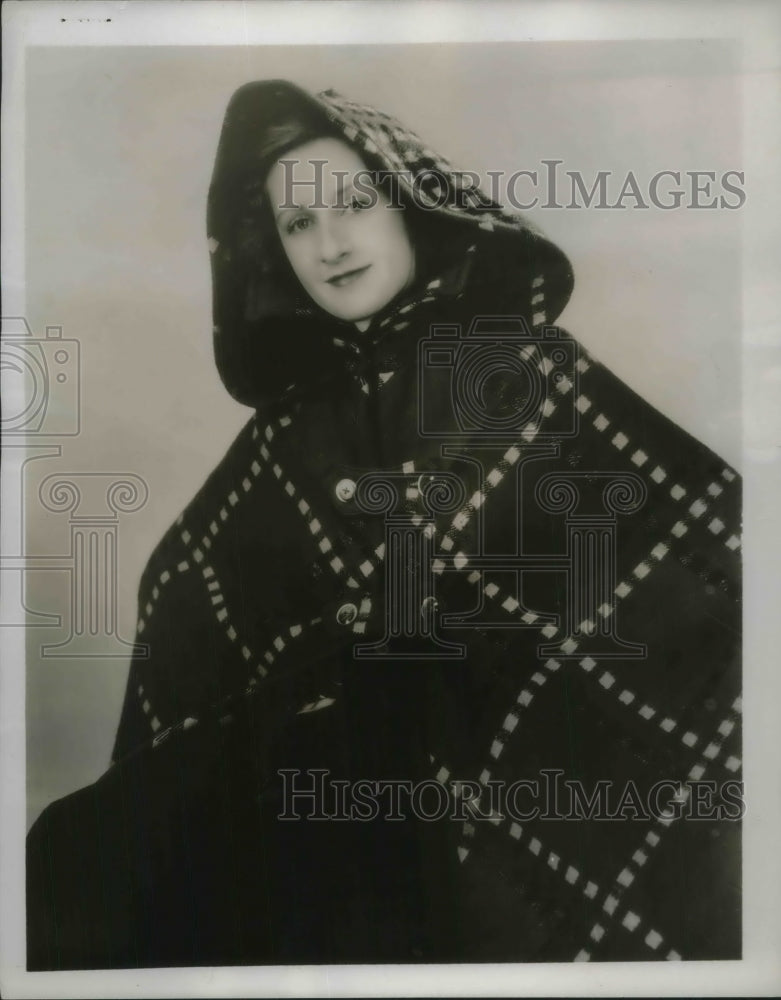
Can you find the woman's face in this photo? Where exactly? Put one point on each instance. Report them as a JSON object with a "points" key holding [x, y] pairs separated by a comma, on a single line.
{"points": [[353, 255]]}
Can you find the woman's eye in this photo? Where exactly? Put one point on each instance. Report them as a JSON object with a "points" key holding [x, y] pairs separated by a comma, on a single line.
{"points": [[299, 224], [357, 203]]}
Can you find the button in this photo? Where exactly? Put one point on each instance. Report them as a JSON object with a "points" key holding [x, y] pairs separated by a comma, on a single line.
{"points": [[429, 606], [345, 490], [347, 614]]}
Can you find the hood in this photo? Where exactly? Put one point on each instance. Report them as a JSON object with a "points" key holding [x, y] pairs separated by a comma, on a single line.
{"points": [[269, 337]]}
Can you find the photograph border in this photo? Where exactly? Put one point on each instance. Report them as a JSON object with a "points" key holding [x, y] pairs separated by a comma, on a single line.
{"points": [[757, 26]]}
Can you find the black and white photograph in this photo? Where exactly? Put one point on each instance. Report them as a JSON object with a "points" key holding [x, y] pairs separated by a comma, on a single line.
{"points": [[390, 455]]}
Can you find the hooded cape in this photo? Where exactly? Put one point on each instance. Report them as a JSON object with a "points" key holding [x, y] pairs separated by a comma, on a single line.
{"points": [[251, 312], [455, 551]]}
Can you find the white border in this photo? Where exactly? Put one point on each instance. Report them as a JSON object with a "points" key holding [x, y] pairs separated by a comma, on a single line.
{"points": [[757, 26]]}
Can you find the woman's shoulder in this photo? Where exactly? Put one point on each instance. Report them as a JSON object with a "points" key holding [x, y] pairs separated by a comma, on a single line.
{"points": [[232, 478]]}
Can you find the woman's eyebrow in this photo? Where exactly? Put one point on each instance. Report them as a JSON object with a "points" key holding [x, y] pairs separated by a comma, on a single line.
{"points": [[341, 186], [286, 208], [344, 186], [345, 183]]}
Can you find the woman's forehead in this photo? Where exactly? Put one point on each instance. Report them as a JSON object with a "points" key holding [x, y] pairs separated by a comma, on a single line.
{"points": [[322, 167]]}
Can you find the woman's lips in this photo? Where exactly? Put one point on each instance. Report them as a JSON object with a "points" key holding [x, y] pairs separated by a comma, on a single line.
{"points": [[347, 277]]}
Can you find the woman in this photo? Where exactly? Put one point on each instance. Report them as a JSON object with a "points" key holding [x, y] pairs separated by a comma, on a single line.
{"points": [[410, 569]]}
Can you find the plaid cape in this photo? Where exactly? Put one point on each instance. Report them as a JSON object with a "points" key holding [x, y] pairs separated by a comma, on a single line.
{"points": [[375, 585]]}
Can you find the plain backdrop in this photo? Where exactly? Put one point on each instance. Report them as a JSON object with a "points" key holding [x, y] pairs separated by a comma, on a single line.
{"points": [[119, 149]]}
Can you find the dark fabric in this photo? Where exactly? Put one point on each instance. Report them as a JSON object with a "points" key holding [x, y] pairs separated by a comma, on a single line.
{"points": [[176, 857], [179, 856]]}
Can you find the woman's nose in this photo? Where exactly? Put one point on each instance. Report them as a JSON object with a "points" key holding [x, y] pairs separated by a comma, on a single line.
{"points": [[333, 242]]}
